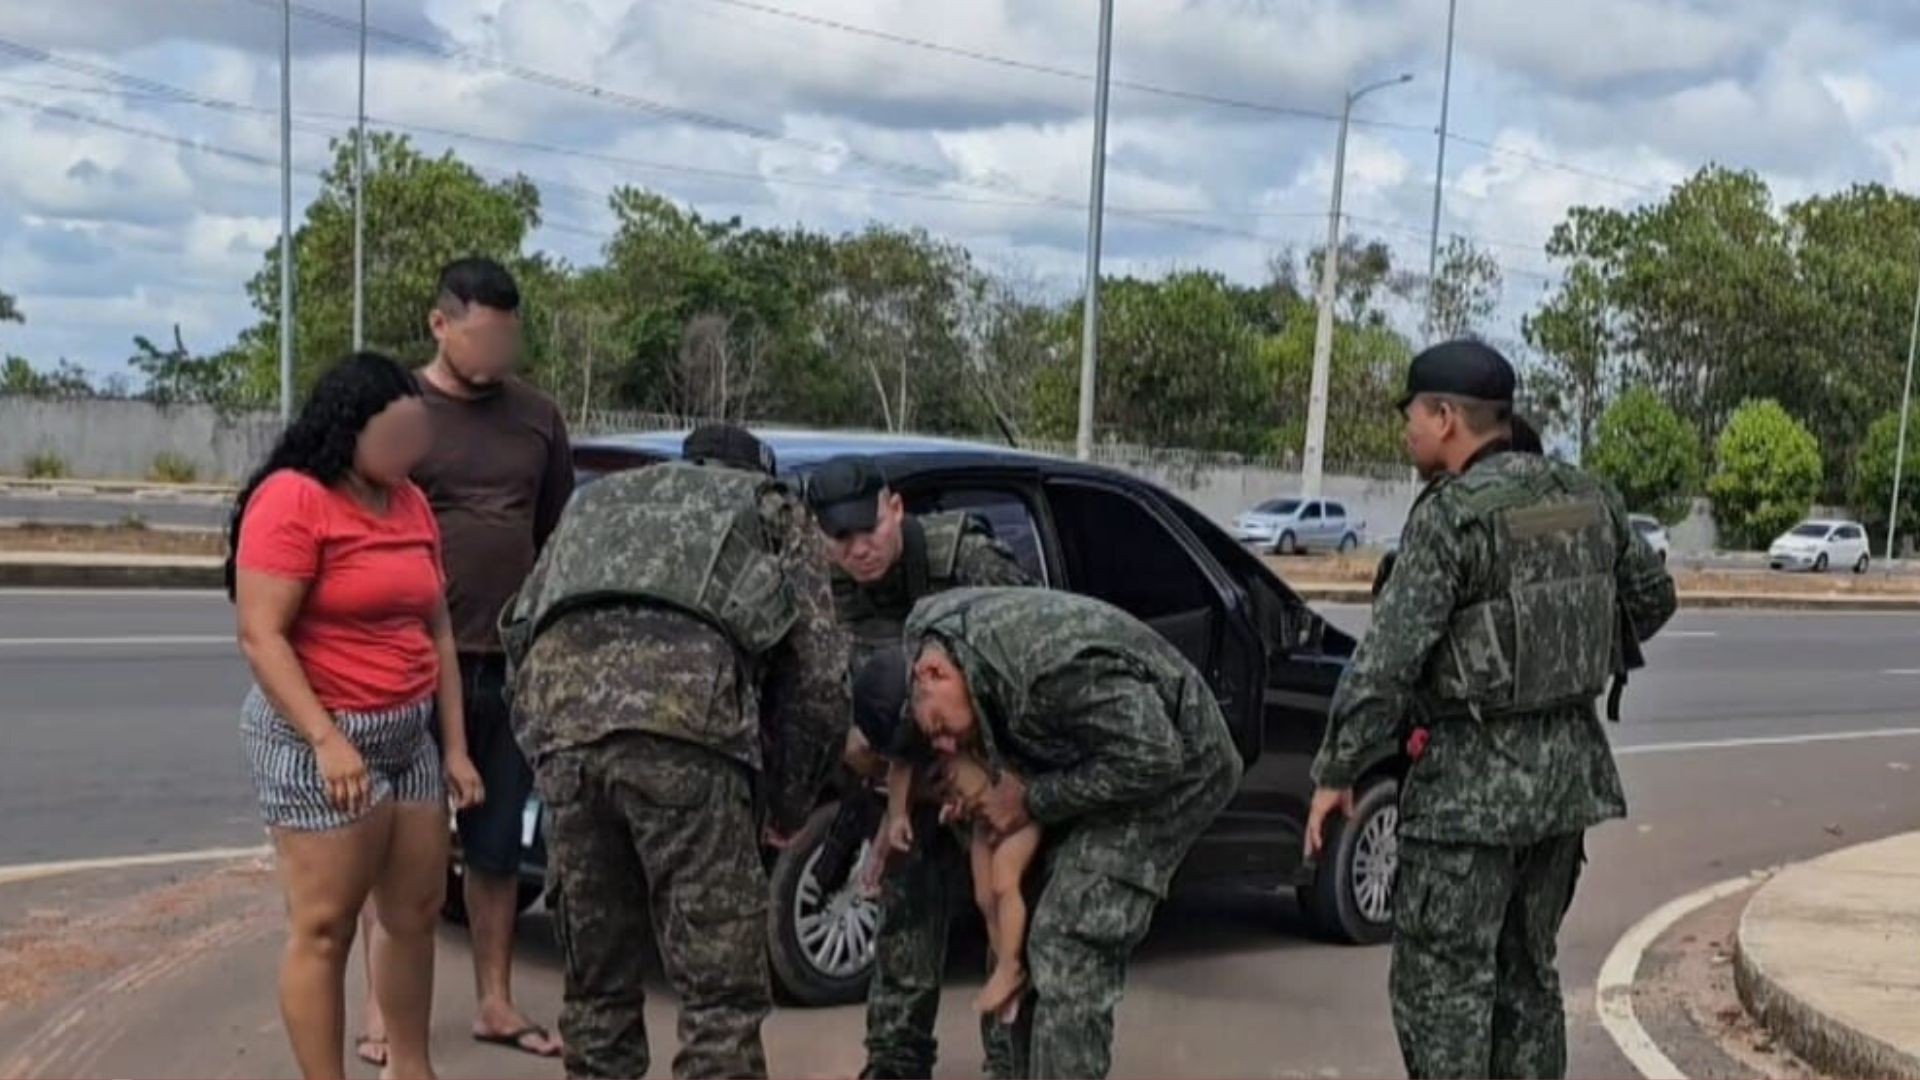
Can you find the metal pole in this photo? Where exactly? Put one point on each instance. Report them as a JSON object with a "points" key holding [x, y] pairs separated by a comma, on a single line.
{"points": [[1096, 204], [1440, 168], [1906, 404], [360, 198], [286, 211]]}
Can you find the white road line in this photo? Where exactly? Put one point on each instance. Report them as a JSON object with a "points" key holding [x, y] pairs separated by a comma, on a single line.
{"points": [[76, 642], [1613, 991], [10, 875], [1900, 671], [1686, 633], [1765, 740], [120, 594]]}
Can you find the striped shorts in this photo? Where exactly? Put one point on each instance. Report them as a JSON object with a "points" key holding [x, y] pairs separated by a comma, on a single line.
{"points": [[403, 764]]}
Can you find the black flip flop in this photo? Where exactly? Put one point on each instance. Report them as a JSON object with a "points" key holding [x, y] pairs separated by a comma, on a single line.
{"points": [[512, 1040], [377, 1056]]}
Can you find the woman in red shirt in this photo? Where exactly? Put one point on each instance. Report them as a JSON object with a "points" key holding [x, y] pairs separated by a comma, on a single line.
{"points": [[335, 574]]}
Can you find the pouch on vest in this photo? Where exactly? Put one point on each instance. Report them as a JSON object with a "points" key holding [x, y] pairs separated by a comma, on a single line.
{"points": [[1548, 639]]}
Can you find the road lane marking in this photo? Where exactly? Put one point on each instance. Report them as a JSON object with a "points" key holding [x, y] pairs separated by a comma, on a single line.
{"points": [[10, 875], [75, 642], [119, 594], [1613, 990], [1900, 671], [1765, 740], [1686, 633]]}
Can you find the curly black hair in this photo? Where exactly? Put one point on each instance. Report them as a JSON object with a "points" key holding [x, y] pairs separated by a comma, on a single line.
{"points": [[321, 439]]}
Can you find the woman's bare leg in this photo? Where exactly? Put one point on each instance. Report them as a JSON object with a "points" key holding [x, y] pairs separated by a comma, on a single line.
{"points": [[408, 895], [326, 876], [1010, 859], [371, 1044]]}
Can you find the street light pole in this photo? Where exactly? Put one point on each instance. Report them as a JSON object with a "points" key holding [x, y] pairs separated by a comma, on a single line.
{"points": [[1096, 203], [1314, 459], [286, 211], [1906, 404], [1440, 168], [360, 198]]}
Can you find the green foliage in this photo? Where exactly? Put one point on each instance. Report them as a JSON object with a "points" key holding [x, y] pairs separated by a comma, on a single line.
{"points": [[1649, 454], [46, 465], [1873, 476], [10, 309], [177, 377], [171, 468], [1366, 374], [1465, 290], [66, 380], [1768, 475]]}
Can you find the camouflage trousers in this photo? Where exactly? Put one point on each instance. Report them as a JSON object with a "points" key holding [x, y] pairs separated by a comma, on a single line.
{"points": [[1473, 983], [641, 824], [910, 958]]}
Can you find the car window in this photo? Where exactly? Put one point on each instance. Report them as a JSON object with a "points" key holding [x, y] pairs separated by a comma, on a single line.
{"points": [[1813, 532], [1118, 551], [1278, 506], [1645, 527], [1005, 512], [1311, 513], [1851, 532], [1336, 510]]}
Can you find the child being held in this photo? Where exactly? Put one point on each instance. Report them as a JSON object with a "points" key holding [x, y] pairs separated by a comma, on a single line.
{"points": [[916, 773]]}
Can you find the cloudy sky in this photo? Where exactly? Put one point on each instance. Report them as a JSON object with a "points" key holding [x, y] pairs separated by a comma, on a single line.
{"points": [[124, 209]]}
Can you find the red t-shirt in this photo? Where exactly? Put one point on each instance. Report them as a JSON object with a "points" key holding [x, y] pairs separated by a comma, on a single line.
{"points": [[363, 633]]}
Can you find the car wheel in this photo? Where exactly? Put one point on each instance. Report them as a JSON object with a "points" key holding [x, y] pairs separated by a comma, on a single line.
{"points": [[822, 943], [1351, 896], [1286, 545], [1820, 563], [1861, 566], [1348, 543], [453, 907]]}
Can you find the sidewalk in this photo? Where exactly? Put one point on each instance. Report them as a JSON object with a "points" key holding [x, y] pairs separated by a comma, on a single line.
{"points": [[1829, 959]]}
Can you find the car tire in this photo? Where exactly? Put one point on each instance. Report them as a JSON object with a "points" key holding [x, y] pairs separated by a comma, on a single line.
{"points": [[1861, 566], [453, 907], [802, 974], [1348, 543], [1351, 896], [1820, 563], [1286, 544]]}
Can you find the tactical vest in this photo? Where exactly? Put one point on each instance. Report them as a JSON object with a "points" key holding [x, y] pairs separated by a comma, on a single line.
{"points": [[686, 537], [1546, 637], [929, 563]]}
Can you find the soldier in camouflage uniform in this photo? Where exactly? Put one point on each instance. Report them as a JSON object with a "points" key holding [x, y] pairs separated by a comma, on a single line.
{"points": [[1500, 626], [1098, 729], [676, 612], [884, 560]]}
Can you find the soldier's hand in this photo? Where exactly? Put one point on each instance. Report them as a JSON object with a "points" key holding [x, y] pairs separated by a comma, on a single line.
{"points": [[899, 834], [1004, 806], [1325, 802]]}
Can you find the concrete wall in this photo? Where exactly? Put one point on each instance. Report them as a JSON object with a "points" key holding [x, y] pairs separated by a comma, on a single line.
{"points": [[119, 440]]}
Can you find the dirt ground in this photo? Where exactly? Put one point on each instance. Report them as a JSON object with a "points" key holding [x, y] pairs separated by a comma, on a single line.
{"points": [[98, 539]]}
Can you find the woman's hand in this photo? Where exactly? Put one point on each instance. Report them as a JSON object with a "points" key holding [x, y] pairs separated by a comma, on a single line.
{"points": [[345, 773], [464, 787], [898, 834]]}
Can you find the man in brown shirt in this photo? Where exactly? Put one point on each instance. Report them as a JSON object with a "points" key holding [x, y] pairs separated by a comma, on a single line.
{"points": [[498, 475]]}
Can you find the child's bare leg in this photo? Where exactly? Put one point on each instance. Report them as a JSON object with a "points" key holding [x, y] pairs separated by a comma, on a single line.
{"points": [[980, 854], [1008, 919]]}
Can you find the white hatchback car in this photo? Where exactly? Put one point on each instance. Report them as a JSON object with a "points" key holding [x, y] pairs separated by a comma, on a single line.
{"points": [[1654, 533], [1821, 545]]}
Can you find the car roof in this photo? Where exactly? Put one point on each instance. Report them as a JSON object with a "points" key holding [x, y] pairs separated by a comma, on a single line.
{"points": [[798, 449], [1831, 523]]}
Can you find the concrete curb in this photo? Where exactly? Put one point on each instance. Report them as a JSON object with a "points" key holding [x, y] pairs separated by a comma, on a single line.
{"points": [[32, 570], [138, 489], [1819, 962]]}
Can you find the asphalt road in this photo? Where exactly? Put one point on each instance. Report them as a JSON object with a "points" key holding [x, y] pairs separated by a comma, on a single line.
{"points": [[118, 715]]}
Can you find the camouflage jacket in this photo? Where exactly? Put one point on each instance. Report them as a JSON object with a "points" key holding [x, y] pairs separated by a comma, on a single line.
{"points": [[961, 554], [634, 667], [1117, 737], [1510, 779]]}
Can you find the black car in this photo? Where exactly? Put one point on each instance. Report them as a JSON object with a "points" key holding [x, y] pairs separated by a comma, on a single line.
{"points": [[1272, 663]]}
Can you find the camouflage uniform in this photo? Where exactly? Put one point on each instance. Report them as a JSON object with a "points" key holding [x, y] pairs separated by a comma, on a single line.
{"points": [[651, 738], [1498, 624], [916, 898], [1126, 759]]}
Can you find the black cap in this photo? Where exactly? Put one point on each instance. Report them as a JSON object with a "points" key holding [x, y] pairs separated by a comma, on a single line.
{"points": [[880, 697], [726, 444], [1464, 368], [845, 494]]}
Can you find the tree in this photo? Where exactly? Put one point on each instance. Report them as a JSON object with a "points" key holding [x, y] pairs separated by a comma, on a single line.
{"points": [[1366, 373], [1873, 476], [1464, 291], [1366, 271], [10, 310], [177, 377], [66, 380], [421, 213], [1649, 454], [1768, 476]]}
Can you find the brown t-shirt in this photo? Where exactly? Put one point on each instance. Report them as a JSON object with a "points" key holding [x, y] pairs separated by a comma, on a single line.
{"points": [[498, 475]]}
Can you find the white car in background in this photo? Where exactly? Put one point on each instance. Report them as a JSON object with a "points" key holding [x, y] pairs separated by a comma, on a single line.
{"points": [[1289, 526], [1654, 533], [1819, 546]]}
